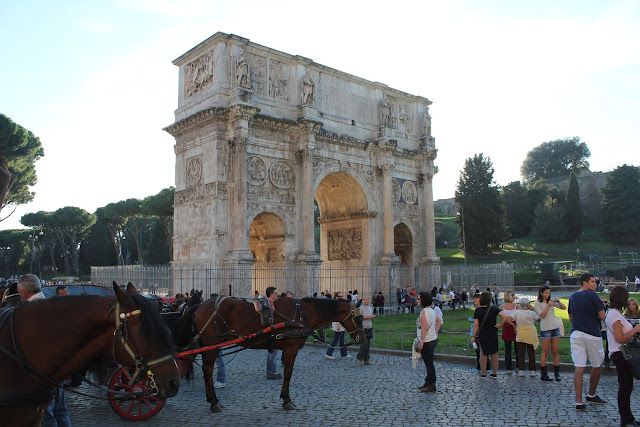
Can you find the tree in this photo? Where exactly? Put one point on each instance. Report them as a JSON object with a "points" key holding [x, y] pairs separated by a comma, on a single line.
{"points": [[96, 248], [555, 158], [71, 224], [161, 207], [574, 209], [621, 205], [14, 252], [109, 216], [478, 198], [158, 252], [518, 215], [19, 150], [42, 221], [550, 223]]}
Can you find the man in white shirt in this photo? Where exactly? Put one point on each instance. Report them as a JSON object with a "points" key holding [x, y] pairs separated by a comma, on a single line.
{"points": [[29, 288]]}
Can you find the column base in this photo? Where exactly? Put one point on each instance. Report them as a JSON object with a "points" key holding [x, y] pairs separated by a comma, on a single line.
{"points": [[389, 259]]}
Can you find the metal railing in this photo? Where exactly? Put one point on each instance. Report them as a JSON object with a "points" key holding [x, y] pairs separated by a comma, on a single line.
{"points": [[243, 280]]}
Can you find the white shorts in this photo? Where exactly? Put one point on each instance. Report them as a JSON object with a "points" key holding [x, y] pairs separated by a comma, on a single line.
{"points": [[583, 345]]}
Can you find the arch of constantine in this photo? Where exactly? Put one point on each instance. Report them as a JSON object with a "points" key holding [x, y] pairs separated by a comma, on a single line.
{"points": [[268, 145]]}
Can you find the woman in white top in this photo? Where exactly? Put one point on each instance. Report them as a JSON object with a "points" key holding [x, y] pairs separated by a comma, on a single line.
{"points": [[427, 325], [549, 331], [619, 331]]}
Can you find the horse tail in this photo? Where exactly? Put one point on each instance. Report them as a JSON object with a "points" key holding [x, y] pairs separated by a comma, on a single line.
{"points": [[184, 331]]}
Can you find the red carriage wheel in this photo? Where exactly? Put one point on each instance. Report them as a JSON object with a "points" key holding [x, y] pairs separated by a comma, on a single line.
{"points": [[136, 409]]}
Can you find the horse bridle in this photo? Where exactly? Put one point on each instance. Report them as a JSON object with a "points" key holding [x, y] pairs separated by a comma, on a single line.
{"points": [[353, 313], [122, 335]]}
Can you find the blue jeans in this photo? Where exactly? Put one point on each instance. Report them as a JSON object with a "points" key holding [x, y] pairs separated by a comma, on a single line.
{"points": [[56, 414], [428, 348], [338, 336], [221, 376], [271, 362]]}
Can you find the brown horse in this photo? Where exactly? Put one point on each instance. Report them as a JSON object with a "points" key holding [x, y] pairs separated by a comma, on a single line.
{"points": [[222, 319], [45, 341]]}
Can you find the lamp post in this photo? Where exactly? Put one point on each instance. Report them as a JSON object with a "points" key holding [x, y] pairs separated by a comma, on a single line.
{"points": [[32, 238]]}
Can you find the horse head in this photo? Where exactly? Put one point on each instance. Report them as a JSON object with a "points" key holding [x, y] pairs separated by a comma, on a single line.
{"points": [[143, 341], [353, 323]]}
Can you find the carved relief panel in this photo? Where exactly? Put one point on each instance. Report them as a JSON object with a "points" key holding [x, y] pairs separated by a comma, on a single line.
{"points": [[281, 175], [256, 171], [258, 70], [396, 192], [344, 244], [198, 74], [405, 117], [407, 191], [279, 80], [194, 170]]}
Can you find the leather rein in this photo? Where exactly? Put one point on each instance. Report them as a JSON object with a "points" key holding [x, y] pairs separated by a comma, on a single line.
{"points": [[297, 328]]}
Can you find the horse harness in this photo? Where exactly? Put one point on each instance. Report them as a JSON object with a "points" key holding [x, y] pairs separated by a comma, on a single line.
{"points": [[296, 327], [121, 334]]}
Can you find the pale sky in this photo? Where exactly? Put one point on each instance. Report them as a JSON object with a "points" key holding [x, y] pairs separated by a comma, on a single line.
{"points": [[94, 79]]}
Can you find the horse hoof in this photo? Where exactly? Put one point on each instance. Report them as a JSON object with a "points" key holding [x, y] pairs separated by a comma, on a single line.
{"points": [[289, 406], [216, 408]]}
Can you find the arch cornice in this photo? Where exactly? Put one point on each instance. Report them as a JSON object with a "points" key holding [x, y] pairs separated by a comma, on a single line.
{"points": [[196, 120]]}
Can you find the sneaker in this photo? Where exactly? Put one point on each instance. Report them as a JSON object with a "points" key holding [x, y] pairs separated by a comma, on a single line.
{"points": [[484, 375], [348, 356], [581, 407], [219, 385], [359, 361], [509, 371], [274, 377], [596, 399], [521, 374], [532, 373], [329, 357], [493, 375], [368, 362]]}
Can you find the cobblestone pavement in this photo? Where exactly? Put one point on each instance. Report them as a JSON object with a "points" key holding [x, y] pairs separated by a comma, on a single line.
{"points": [[344, 393]]}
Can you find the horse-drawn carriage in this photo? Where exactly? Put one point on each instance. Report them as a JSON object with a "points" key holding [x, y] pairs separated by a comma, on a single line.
{"points": [[145, 376]]}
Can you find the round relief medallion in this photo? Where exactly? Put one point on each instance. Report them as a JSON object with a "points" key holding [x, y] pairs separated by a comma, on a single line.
{"points": [[256, 171], [409, 193], [395, 191], [281, 175], [194, 171]]}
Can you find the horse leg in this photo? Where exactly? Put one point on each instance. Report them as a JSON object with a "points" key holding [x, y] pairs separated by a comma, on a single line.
{"points": [[290, 353], [208, 362]]}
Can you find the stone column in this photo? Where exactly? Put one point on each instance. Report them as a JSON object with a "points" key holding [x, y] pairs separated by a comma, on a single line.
{"points": [[429, 262], [387, 209], [307, 261], [237, 230]]}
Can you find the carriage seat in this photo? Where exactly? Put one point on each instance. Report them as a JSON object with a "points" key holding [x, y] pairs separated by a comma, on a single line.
{"points": [[263, 307]]}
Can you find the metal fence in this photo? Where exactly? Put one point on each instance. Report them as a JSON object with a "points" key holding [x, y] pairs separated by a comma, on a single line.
{"points": [[244, 280]]}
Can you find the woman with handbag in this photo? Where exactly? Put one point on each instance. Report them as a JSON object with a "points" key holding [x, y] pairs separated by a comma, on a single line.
{"points": [[619, 331], [427, 326], [485, 332]]}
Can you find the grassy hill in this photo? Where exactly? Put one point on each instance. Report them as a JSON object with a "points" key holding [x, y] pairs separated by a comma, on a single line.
{"points": [[594, 250]]}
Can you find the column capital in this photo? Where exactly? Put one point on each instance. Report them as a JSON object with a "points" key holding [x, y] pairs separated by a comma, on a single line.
{"points": [[304, 155], [242, 112]]}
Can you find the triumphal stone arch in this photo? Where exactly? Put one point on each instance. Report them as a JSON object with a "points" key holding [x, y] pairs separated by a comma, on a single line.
{"points": [[261, 135]]}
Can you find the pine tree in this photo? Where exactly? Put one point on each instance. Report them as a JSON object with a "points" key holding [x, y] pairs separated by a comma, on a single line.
{"points": [[550, 223], [574, 209], [478, 199], [518, 215], [621, 205]]}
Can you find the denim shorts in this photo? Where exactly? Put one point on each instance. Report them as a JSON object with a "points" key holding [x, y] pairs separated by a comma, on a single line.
{"points": [[552, 333]]}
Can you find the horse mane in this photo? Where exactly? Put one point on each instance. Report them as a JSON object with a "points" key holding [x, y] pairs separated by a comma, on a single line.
{"points": [[153, 327]]}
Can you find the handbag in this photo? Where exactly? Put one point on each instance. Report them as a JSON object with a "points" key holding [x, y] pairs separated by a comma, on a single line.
{"points": [[631, 352]]}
